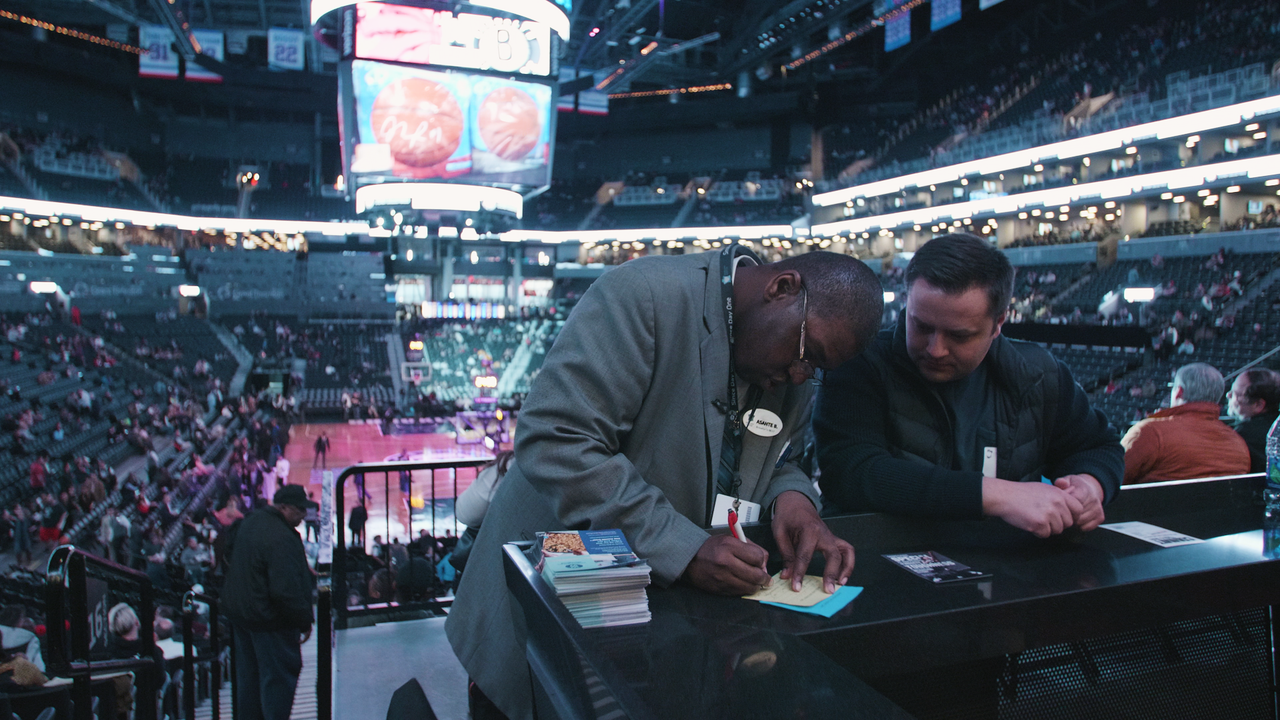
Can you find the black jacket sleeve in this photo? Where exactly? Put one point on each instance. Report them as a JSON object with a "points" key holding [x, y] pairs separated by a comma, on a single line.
{"points": [[1083, 441], [859, 474], [289, 582]]}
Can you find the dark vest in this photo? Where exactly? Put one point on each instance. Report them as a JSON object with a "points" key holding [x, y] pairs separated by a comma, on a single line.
{"points": [[919, 427]]}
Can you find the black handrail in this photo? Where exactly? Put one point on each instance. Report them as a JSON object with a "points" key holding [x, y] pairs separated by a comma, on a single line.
{"points": [[189, 657], [333, 577], [68, 634], [339, 564]]}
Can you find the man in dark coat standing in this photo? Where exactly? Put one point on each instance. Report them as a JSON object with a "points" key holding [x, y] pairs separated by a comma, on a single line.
{"points": [[267, 597], [322, 451]]}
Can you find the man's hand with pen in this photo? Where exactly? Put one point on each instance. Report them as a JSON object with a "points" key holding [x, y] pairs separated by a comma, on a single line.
{"points": [[729, 565]]}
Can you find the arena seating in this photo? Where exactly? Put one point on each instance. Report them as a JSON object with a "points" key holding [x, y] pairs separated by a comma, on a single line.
{"points": [[357, 355], [166, 343], [1148, 64]]}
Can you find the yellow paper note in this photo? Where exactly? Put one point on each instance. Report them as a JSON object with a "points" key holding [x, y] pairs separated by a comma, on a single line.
{"points": [[780, 592]]}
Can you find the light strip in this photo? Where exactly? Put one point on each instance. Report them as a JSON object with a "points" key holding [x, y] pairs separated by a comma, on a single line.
{"points": [[440, 196], [1251, 168], [1077, 147], [91, 213], [853, 34], [73, 33], [753, 232], [543, 11], [671, 91]]}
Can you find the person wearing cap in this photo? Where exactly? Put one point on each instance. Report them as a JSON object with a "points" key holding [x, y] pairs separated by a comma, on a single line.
{"points": [[267, 598]]}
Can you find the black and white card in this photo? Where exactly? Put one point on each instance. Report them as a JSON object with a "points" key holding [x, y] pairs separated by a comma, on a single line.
{"points": [[934, 567]]}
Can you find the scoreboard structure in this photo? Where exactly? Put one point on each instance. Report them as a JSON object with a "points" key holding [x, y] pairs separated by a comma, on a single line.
{"points": [[447, 111]]}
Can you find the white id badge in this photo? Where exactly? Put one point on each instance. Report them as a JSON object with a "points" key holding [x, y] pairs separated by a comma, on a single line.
{"points": [[989, 462], [747, 511]]}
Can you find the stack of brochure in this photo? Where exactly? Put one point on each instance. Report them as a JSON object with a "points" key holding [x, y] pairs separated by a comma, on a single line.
{"points": [[596, 575]]}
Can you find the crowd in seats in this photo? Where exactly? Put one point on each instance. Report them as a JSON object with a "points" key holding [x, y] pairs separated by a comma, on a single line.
{"points": [[396, 572], [1035, 287], [456, 352], [1133, 59], [1096, 232], [337, 355], [1202, 313], [183, 348], [172, 522], [1268, 218], [371, 403], [460, 351]]}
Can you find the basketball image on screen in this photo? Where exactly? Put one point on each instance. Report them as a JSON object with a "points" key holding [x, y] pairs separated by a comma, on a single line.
{"points": [[419, 119], [510, 123]]}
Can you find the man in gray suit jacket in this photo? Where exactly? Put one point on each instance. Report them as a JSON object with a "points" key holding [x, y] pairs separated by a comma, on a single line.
{"points": [[623, 429]]}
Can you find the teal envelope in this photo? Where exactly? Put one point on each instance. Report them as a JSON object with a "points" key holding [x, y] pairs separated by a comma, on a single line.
{"points": [[832, 605]]}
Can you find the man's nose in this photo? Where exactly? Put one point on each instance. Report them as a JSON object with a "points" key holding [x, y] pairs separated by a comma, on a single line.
{"points": [[936, 347]]}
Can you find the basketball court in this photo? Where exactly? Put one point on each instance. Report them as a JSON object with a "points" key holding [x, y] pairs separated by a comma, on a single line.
{"points": [[432, 492]]}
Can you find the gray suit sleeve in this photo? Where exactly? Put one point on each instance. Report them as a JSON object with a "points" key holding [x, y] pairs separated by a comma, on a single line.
{"points": [[574, 424]]}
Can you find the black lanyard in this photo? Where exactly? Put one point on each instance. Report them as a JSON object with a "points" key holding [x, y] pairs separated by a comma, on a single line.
{"points": [[727, 256], [731, 451]]}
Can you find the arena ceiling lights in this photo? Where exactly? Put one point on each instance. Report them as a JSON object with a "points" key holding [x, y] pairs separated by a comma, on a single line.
{"points": [[541, 11], [1248, 168], [440, 196], [753, 232], [91, 213], [1076, 147]]}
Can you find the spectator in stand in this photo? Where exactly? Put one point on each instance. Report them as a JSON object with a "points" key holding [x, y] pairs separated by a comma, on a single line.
{"points": [[1254, 402], [52, 520], [196, 559], [17, 671], [39, 470], [21, 534], [1185, 440]]}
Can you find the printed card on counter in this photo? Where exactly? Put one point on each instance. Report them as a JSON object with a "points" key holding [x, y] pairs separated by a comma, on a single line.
{"points": [[934, 567], [1152, 533]]}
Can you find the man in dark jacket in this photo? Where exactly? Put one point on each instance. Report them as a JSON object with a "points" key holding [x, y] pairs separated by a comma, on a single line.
{"points": [[267, 597], [1254, 401], [942, 417]]}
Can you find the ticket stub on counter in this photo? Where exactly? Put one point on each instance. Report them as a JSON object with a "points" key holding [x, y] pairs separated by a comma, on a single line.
{"points": [[934, 567], [1152, 533]]}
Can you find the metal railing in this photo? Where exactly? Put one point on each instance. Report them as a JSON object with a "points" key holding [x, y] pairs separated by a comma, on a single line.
{"points": [[333, 577], [69, 634], [190, 611], [338, 571]]}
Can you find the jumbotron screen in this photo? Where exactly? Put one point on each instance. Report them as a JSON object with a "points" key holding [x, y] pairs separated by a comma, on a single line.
{"points": [[417, 124], [420, 36]]}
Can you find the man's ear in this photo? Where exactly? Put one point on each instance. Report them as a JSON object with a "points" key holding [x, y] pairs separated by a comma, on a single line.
{"points": [[1000, 323], [784, 284]]}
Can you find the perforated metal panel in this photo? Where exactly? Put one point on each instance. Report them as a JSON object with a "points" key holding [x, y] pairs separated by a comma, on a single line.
{"points": [[1201, 669], [1208, 669]]}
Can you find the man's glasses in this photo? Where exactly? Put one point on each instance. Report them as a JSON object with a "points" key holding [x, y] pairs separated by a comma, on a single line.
{"points": [[806, 367]]}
